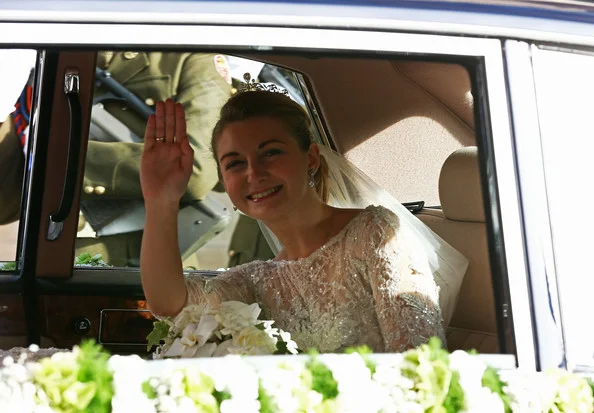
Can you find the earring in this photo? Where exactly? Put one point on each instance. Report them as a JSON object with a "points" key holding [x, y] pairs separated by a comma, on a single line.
{"points": [[312, 178]]}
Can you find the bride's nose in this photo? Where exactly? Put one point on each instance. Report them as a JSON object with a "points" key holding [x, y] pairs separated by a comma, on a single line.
{"points": [[256, 171]]}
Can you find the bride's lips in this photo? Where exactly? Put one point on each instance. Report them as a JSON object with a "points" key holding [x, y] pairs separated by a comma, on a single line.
{"points": [[263, 195]]}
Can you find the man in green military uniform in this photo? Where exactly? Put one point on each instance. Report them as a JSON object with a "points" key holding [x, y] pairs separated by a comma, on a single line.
{"points": [[248, 243], [112, 168]]}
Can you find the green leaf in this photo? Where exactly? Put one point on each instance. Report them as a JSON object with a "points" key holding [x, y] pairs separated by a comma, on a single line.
{"points": [[8, 266], [93, 362], [160, 331], [493, 382], [281, 347], [221, 396], [86, 259], [454, 401], [148, 390], [322, 379], [267, 404], [590, 383]]}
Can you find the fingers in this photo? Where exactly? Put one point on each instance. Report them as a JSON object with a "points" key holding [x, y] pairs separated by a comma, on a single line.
{"points": [[149, 133], [187, 158], [180, 124], [169, 121], [160, 120]]}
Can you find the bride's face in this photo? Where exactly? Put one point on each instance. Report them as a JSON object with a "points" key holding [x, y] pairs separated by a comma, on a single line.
{"points": [[264, 171]]}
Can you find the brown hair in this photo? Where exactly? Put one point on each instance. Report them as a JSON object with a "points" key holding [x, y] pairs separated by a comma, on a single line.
{"points": [[247, 105]]}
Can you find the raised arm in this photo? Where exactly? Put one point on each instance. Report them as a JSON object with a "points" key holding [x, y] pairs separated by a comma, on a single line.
{"points": [[406, 296], [165, 170]]}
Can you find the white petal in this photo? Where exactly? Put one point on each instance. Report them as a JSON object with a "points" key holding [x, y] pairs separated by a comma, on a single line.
{"points": [[223, 348], [175, 350], [207, 325], [205, 351]]}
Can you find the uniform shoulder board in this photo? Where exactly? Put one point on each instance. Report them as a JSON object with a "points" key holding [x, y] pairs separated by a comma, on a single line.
{"points": [[22, 111], [222, 65]]}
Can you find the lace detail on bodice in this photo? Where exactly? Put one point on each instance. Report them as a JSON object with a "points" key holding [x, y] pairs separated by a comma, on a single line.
{"points": [[366, 285]]}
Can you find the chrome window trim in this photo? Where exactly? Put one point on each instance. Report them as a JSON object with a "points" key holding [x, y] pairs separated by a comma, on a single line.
{"points": [[534, 206], [451, 19], [269, 38], [31, 152], [313, 110]]}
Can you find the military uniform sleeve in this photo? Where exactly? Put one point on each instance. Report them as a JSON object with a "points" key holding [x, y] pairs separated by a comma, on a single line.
{"points": [[202, 91], [12, 164]]}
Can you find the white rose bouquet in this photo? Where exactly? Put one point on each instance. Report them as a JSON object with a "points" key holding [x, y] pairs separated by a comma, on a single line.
{"points": [[231, 328]]}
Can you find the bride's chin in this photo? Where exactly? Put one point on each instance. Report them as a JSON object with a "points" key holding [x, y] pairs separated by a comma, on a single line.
{"points": [[265, 211]]}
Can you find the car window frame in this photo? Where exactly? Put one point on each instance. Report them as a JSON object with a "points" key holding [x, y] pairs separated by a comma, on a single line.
{"points": [[506, 238]]}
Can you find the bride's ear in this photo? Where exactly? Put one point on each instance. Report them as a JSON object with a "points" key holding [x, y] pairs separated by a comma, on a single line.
{"points": [[313, 157]]}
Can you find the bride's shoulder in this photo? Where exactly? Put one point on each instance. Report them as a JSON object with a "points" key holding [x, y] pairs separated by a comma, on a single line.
{"points": [[242, 269], [376, 215]]}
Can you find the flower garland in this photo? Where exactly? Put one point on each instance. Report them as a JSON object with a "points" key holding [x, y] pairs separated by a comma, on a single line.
{"points": [[424, 379]]}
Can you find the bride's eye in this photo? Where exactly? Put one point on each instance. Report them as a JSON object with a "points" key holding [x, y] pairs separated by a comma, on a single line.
{"points": [[272, 152], [232, 164]]}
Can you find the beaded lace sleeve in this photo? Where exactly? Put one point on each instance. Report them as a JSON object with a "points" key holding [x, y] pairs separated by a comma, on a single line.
{"points": [[234, 284], [405, 294]]}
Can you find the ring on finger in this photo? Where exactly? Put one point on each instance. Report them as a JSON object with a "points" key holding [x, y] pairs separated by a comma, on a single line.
{"points": [[160, 139]]}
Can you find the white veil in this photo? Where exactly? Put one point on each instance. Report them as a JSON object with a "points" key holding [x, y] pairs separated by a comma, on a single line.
{"points": [[349, 187]]}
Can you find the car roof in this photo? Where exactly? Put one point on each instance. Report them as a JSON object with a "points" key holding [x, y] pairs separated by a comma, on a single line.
{"points": [[553, 9]]}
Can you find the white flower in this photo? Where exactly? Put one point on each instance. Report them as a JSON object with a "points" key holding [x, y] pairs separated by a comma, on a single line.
{"points": [[240, 406], [357, 392], [284, 384], [189, 315], [398, 394], [253, 341], [291, 345], [478, 399], [193, 342], [206, 350], [199, 334], [241, 384], [128, 374], [223, 348], [530, 391], [234, 316]]}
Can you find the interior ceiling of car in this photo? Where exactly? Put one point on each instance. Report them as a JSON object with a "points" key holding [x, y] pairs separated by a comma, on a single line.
{"points": [[405, 117]]}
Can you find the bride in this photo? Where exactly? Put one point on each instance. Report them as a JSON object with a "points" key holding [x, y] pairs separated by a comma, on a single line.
{"points": [[342, 277]]}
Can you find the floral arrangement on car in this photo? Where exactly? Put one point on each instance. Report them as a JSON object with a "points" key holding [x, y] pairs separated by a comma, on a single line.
{"points": [[232, 327], [426, 379]]}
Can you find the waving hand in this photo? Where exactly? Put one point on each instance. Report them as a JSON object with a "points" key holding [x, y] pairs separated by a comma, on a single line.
{"points": [[167, 159]]}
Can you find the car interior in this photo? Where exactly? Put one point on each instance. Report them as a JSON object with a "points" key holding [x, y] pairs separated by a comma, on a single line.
{"points": [[407, 122]]}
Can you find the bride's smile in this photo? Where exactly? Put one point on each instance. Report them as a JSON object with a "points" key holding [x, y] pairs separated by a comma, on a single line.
{"points": [[264, 195]]}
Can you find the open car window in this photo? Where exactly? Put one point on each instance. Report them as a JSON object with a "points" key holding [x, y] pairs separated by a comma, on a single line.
{"points": [[128, 86], [15, 102]]}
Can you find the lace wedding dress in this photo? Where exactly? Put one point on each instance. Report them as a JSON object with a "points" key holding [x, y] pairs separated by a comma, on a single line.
{"points": [[366, 285]]}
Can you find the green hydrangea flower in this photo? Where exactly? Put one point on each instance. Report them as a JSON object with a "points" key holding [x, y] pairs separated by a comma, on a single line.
{"points": [[200, 388], [437, 386], [58, 378], [573, 392]]}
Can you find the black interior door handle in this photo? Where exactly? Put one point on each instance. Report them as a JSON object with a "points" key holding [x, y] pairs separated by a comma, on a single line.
{"points": [[56, 219]]}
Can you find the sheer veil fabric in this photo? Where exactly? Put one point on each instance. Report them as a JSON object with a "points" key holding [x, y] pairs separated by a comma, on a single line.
{"points": [[349, 187]]}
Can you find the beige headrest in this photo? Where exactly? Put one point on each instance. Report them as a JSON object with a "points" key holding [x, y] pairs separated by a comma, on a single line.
{"points": [[460, 186]]}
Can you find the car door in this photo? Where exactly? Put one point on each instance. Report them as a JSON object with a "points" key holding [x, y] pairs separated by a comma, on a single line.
{"points": [[56, 295]]}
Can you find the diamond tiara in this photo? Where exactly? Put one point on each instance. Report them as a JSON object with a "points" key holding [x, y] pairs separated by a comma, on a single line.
{"points": [[251, 85]]}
